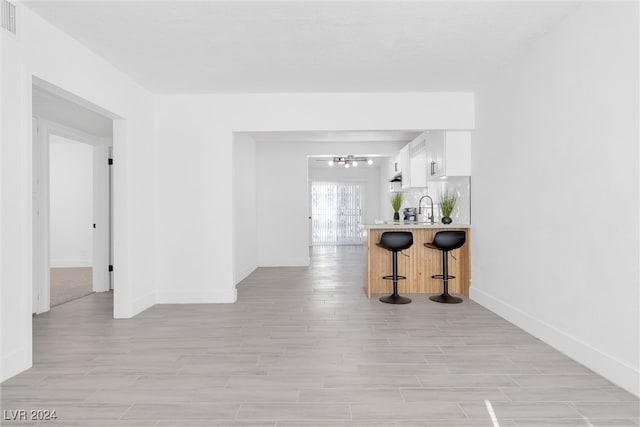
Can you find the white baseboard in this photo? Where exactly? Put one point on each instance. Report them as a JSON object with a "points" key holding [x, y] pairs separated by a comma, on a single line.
{"points": [[243, 273], [70, 263], [13, 364], [141, 304], [137, 306], [609, 367], [175, 297]]}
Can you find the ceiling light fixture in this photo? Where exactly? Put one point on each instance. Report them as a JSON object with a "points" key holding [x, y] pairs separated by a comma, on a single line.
{"points": [[348, 161]]}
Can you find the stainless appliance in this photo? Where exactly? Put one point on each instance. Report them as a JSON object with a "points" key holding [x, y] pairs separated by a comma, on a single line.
{"points": [[410, 214]]}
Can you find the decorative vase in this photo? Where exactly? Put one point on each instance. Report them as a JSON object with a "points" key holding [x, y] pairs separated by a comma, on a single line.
{"points": [[446, 220], [396, 216]]}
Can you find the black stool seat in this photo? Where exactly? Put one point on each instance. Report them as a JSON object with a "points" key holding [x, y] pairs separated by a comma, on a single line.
{"points": [[395, 241], [446, 241]]}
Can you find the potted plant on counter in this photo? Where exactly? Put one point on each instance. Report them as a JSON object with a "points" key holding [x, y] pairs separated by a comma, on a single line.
{"points": [[447, 203], [396, 203]]}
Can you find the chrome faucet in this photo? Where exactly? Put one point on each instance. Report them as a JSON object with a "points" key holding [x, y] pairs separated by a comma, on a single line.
{"points": [[430, 218]]}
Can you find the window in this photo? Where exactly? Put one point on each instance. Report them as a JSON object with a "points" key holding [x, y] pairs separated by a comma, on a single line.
{"points": [[336, 213]]}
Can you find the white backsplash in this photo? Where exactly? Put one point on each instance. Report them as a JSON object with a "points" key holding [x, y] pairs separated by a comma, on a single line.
{"points": [[461, 185]]}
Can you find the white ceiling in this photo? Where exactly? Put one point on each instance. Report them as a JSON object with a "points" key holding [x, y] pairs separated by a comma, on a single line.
{"points": [[304, 46]]}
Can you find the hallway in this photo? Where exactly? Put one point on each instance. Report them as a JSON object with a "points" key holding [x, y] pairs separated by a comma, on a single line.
{"points": [[304, 347]]}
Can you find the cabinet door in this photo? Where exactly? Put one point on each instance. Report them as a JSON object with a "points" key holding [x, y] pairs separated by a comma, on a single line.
{"points": [[435, 154], [405, 166], [394, 168], [418, 162]]}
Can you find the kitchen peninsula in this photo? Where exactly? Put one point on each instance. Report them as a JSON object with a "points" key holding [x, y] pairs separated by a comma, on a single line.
{"points": [[421, 262]]}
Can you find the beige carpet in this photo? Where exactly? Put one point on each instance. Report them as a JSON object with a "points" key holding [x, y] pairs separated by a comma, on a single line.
{"points": [[68, 284]]}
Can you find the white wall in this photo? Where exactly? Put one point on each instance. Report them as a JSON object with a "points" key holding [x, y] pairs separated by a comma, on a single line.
{"points": [[196, 164], [245, 212], [15, 228], [282, 203], [45, 52], [55, 58], [555, 190], [71, 203]]}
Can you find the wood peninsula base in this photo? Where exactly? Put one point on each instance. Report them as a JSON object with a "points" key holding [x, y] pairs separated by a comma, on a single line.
{"points": [[420, 264]]}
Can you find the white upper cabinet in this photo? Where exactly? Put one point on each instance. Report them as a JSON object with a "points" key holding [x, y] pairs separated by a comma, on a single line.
{"points": [[418, 161], [394, 171], [448, 154], [394, 166], [432, 155], [405, 166]]}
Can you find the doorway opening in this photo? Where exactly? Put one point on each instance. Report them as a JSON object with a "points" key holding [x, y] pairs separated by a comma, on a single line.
{"points": [[272, 200], [72, 239], [71, 219]]}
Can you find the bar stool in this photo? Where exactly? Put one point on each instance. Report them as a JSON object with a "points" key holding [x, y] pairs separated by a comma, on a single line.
{"points": [[395, 241], [446, 241]]}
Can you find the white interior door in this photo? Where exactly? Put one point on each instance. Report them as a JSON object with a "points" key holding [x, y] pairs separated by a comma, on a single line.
{"points": [[101, 219]]}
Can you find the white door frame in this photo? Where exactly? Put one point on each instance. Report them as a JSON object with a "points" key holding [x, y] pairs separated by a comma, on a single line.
{"points": [[41, 277], [101, 208]]}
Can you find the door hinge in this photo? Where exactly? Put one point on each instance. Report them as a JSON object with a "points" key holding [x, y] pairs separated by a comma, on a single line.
{"points": [[110, 267], [110, 162]]}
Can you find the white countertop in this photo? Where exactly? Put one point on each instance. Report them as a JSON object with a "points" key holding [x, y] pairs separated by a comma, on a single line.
{"points": [[412, 224]]}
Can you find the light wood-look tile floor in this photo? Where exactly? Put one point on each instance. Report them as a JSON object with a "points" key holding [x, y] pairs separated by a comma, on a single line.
{"points": [[304, 347], [70, 283]]}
